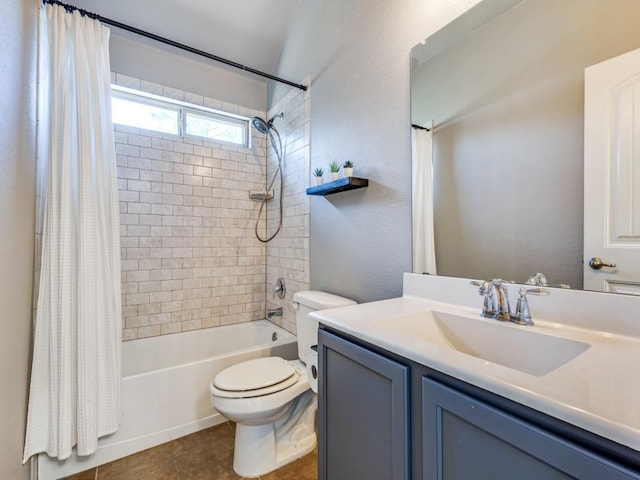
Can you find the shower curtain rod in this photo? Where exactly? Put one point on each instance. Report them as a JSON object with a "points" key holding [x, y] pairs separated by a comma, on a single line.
{"points": [[158, 38]]}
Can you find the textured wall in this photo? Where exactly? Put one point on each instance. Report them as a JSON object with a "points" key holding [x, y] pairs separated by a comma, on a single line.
{"points": [[357, 55], [190, 259], [160, 64], [17, 211]]}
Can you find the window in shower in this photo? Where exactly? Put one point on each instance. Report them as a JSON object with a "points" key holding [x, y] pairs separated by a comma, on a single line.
{"points": [[215, 127], [138, 109], [141, 112]]}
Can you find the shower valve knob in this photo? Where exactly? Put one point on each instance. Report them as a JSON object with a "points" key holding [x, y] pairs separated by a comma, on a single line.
{"points": [[280, 288]]}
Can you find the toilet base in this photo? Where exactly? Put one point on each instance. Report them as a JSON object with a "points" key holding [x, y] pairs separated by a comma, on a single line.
{"points": [[260, 449]]}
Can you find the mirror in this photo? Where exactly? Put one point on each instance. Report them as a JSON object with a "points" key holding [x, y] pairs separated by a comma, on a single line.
{"points": [[503, 85]]}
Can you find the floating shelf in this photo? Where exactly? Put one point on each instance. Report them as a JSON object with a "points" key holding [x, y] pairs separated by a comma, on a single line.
{"points": [[340, 185]]}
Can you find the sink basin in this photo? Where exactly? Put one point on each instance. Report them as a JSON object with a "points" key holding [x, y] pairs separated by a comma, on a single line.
{"points": [[517, 347]]}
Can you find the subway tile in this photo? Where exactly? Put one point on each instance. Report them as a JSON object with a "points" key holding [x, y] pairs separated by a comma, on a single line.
{"points": [[176, 158], [191, 325], [138, 208], [159, 318], [151, 153], [126, 196], [160, 209], [183, 147], [137, 298], [161, 187], [169, 328], [161, 166], [204, 257], [170, 307], [150, 264], [128, 150], [160, 297], [151, 176], [172, 178], [139, 185], [181, 316], [183, 169], [139, 140], [192, 283], [162, 145], [135, 322], [182, 189], [149, 309], [161, 253], [151, 331], [151, 197], [147, 287], [151, 220]]}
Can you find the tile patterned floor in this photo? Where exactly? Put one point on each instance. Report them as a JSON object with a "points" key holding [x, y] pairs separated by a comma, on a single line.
{"points": [[205, 455]]}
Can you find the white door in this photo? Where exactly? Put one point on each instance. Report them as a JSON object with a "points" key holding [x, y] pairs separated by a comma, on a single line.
{"points": [[612, 175]]}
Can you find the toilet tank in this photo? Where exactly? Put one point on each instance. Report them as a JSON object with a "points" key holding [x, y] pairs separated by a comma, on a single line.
{"points": [[306, 302]]}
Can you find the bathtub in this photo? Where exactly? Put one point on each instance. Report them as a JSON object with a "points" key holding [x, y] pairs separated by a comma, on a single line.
{"points": [[165, 387]]}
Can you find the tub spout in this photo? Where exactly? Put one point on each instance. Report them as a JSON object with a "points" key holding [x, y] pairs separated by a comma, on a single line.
{"points": [[275, 312]]}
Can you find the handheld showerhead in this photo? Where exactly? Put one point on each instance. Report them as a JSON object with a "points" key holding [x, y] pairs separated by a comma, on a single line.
{"points": [[267, 128], [264, 126], [260, 125]]}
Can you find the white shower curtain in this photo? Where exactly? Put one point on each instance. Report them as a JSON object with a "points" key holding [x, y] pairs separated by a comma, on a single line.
{"points": [[424, 253], [76, 375]]}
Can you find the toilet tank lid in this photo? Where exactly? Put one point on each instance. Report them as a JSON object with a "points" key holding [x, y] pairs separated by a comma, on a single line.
{"points": [[320, 300]]}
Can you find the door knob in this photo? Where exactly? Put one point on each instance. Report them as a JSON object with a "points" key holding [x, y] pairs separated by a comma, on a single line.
{"points": [[596, 263]]}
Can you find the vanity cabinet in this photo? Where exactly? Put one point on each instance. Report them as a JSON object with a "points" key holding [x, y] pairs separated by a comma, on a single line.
{"points": [[464, 438], [383, 417], [363, 421]]}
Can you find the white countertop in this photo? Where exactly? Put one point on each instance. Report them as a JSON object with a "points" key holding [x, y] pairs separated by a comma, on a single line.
{"points": [[599, 390]]}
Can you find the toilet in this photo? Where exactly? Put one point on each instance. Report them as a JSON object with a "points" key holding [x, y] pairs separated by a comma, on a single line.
{"points": [[271, 399]]}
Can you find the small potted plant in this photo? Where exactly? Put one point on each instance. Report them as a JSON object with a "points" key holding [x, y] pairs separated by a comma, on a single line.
{"points": [[318, 173], [334, 167], [347, 168]]}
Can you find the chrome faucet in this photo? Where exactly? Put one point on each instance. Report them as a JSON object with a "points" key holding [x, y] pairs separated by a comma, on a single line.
{"points": [[496, 301], [537, 279], [495, 305], [522, 316], [275, 312], [503, 310], [489, 306]]}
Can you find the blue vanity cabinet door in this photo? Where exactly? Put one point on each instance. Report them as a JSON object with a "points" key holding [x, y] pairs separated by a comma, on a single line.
{"points": [[363, 413], [464, 438]]}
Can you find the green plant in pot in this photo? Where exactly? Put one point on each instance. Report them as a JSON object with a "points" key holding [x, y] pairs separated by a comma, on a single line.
{"points": [[347, 168], [319, 174], [334, 167]]}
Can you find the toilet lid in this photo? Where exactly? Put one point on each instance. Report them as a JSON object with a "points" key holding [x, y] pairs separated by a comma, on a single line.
{"points": [[255, 374]]}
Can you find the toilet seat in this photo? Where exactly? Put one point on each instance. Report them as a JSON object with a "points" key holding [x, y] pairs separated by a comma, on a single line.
{"points": [[253, 378]]}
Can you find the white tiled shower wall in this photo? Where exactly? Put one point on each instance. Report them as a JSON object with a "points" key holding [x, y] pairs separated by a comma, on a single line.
{"points": [[288, 252], [190, 258]]}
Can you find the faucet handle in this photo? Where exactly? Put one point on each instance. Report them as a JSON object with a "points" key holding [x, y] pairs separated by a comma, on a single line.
{"points": [[489, 305], [522, 315]]}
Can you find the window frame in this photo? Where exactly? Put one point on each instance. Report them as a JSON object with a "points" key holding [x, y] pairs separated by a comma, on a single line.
{"points": [[183, 109]]}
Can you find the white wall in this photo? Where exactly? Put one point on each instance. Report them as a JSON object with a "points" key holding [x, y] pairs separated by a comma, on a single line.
{"points": [[158, 63], [17, 211], [357, 54]]}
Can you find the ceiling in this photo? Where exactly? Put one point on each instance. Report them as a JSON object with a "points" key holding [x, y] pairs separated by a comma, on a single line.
{"points": [[250, 32]]}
